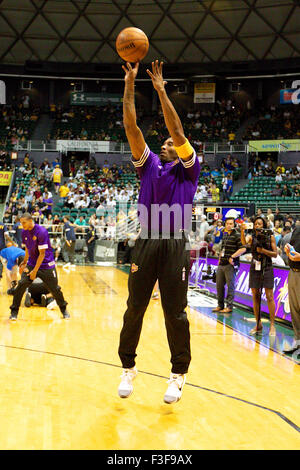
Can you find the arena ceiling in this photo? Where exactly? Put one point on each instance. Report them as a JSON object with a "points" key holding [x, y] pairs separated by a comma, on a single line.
{"points": [[179, 31]]}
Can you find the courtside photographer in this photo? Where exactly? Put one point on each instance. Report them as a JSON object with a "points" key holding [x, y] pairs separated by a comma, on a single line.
{"points": [[262, 243], [231, 249]]}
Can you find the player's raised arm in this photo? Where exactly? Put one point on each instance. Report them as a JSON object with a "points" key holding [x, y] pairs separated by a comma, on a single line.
{"points": [[134, 134], [182, 146]]}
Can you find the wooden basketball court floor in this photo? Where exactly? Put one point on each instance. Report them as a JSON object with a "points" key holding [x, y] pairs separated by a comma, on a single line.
{"points": [[59, 379]]}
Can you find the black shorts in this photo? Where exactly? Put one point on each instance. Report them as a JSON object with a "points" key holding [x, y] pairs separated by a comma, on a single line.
{"points": [[258, 279]]}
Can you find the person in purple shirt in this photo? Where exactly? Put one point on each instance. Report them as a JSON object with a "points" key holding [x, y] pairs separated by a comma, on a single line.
{"points": [[48, 201], [38, 262], [168, 184]]}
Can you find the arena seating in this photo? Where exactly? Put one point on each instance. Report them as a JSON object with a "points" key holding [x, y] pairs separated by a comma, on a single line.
{"points": [[16, 124], [275, 123], [256, 191], [88, 123]]}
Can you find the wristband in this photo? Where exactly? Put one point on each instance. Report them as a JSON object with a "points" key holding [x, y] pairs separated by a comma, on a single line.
{"points": [[185, 150]]}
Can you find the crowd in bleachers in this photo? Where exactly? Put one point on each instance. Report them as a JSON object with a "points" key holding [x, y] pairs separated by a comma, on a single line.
{"points": [[275, 122], [217, 124], [217, 184], [102, 197], [88, 123], [17, 123]]}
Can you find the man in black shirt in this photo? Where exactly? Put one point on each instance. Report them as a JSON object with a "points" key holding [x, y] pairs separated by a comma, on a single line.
{"points": [[231, 249], [70, 240], [292, 250], [91, 238]]}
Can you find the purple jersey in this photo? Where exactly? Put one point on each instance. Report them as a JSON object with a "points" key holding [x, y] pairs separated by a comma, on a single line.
{"points": [[167, 192], [35, 240]]}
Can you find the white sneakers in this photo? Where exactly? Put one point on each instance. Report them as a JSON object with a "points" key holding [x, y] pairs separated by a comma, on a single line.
{"points": [[174, 390], [172, 395], [126, 388]]}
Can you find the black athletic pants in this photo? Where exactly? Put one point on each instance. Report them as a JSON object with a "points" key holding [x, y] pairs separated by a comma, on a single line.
{"points": [[167, 261], [49, 277], [91, 251]]}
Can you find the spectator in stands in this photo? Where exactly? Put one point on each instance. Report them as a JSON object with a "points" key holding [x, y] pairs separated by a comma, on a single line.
{"points": [[259, 213], [217, 236], [48, 222], [26, 159], [48, 203], [270, 215], [111, 228], [63, 192], [215, 173], [278, 177], [277, 191], [280, 169], [286, 192], [37, 215], [215, 193], [277, 231], [227, 186], [278, 215], [56, 177], [80, 224]]}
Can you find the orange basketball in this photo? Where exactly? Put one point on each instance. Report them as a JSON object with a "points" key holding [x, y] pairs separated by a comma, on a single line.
{"points": [[132, 44]]}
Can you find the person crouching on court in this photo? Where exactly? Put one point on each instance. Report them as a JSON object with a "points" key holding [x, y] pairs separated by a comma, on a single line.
{"points": [[38, 294], [12, 256], [230, 251], [38, 262], [261, 275], [166, 180]]}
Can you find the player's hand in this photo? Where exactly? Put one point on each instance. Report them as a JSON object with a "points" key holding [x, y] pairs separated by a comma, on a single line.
{"points": [[130, 73], [259, 250], [156, 76], [22, 267], [32, 275]]}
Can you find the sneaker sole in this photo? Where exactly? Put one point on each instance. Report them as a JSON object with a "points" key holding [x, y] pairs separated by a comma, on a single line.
{"points": [[125, 396], [169, 401]]}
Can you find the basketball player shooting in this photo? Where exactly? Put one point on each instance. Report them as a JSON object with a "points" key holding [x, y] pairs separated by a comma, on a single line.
{"points": [[170, 179]]}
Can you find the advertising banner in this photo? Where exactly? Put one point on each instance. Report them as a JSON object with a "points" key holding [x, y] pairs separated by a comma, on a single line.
{"points": [[91, 145], [204, 92], [243, 294], [286, 95], [95, 99], [274, 145], [5, 178]]}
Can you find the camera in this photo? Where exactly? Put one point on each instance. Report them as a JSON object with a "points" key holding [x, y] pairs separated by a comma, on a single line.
{"points": [[209, 274], [261, 237]]}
